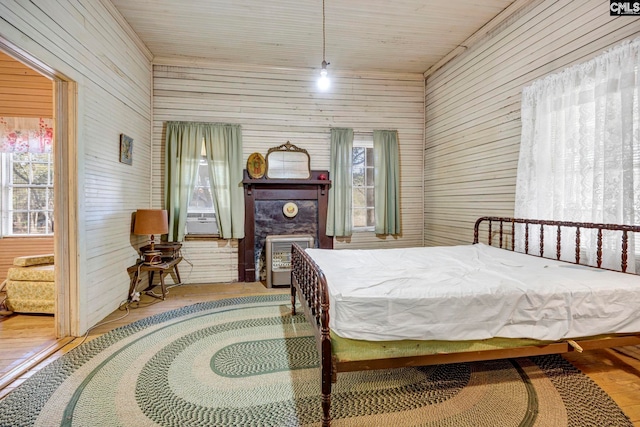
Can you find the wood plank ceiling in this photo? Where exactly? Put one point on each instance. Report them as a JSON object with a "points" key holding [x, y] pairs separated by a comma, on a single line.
{"points": [[361, 35]]}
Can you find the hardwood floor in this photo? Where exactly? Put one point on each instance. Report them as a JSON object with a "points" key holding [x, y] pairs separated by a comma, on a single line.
{"points": [[22, 337], [617, 374]]}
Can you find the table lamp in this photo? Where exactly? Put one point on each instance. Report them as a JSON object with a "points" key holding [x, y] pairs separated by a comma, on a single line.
{"points": [[151, 221]]}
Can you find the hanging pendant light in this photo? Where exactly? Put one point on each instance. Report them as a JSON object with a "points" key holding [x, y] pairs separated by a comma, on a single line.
{"points": [[323, 82]]}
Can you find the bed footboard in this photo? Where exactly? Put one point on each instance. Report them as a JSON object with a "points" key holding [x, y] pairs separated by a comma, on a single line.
{"points": [[309, 283]]}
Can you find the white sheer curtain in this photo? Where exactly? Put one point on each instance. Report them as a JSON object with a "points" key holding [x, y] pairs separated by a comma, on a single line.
{"points": [[580, 148]]}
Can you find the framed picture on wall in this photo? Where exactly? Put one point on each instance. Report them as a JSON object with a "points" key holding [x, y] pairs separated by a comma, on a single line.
{"points": [[126, 149]]}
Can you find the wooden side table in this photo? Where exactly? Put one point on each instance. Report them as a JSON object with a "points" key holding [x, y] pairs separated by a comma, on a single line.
{"points": [[163, 268], [169, 250]]}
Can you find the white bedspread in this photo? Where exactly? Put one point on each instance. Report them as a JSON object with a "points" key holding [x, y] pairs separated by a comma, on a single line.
{"points": [[472, 292]]}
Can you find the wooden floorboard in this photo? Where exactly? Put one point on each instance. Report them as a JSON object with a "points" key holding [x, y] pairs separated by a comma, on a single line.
{"points": [[615, 373], [22, 336]]}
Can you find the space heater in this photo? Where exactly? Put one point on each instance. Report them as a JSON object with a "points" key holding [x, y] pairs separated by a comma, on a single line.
{"points": [[278, 256]]}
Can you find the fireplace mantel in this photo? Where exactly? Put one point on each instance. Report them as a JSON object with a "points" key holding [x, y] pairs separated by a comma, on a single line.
{"points": [[274, 193]]}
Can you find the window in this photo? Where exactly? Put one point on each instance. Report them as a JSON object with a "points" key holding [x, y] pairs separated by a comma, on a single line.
{"points": [[201, 216], [27, 196], [183, 148], [363, 184], [579, 147]]}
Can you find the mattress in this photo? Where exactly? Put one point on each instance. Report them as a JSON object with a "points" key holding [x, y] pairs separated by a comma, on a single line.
{"points": [[30, 297], [34, 273], [472, 292]]}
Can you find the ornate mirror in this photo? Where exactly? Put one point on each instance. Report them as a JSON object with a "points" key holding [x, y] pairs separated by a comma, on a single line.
{"points": [[289, 162]]}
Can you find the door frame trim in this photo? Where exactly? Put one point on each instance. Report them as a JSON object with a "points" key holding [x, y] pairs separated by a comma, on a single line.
{"points": [[66, 185]]}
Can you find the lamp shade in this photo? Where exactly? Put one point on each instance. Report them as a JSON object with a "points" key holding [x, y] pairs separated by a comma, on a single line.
{"points": [[151, 221]]}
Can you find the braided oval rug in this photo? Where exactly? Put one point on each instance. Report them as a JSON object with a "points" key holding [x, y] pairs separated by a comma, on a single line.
{"points": [[248, 362]]}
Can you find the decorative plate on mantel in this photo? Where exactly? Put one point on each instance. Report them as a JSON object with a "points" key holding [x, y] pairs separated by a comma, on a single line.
{"points": [[290, 209], [256, 166]]}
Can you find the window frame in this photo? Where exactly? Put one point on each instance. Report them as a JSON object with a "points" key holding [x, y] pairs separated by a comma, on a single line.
{"points": [[7, 229], [363, 140]]}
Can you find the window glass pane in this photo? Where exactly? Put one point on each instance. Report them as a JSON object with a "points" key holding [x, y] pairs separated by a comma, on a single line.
{"points": [[20, 223], [204, 179], [20, 157], [201, 198], [371, 219], [20, 198], [38, 199], [50, 199], [369, 155], [358, 198], [20, 173], [358, 156], [40, 157], [363, 182], [39, 223], [370, 195], [358, 175], [359, 217], [369, 177], [40, 173]]}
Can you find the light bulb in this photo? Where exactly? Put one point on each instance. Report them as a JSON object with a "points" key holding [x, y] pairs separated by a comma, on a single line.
{"points": [[323, 81]]}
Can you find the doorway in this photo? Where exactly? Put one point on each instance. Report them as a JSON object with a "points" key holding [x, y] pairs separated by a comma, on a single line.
{"points": [[50, 219]]}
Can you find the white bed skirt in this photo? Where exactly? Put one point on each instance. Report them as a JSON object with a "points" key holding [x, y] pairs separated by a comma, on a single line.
{"points": [[472, 292]]}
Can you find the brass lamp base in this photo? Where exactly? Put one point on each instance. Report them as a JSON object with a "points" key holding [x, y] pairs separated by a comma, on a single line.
{"points": [[152, 257]]}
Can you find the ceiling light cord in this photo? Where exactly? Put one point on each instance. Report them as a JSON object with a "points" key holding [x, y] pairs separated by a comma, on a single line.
{"points": [[323, 34], [323, 81]]}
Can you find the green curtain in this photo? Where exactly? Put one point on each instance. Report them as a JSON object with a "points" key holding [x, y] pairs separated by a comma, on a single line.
{"points": [[223, 144], [183, 147], [339, 216], [183, 150], [386, 181]]}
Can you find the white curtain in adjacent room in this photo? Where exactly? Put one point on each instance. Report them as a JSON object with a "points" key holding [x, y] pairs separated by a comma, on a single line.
{"points": [[580, 148]]}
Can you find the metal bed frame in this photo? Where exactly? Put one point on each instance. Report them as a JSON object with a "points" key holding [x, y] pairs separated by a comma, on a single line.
{"points": [[310, 285]]}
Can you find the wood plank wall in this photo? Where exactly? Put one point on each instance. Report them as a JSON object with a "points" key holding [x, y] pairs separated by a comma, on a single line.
{"points": [[89, 42], [472, 104], [23, 91], [11, 247], [279, 105]]}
